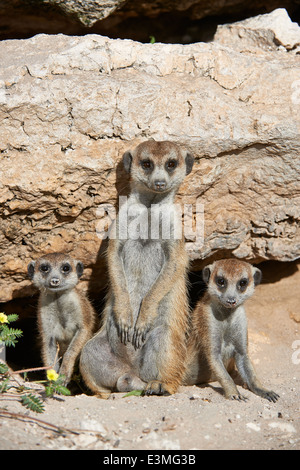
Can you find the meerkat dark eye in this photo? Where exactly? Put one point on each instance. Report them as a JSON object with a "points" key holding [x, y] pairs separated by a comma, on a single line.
{"points": [[243, 283], [171, 165], [66, 268], [44, 268], [221, 282], [146, 165]]}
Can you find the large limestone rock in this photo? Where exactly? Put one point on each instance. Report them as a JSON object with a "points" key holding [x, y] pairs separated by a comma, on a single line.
{"points": [[264, 32], [70, 107]]}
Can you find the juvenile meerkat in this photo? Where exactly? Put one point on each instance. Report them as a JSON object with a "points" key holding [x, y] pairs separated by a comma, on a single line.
{"points": [[65, 317], [142, 342], [219, 335]]}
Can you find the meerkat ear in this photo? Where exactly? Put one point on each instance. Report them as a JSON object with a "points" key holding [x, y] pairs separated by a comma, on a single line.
{"points": [[30, 269], [127, 160], [189, 162], [257, 275], [206, 274], [79, 268]]}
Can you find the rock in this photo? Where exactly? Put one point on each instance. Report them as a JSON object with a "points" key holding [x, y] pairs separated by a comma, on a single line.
{"points": [[70, 107], [264, 31], [284, 427], [155, 441], [94, 426], [253, 427], [84, 440], [88, 11], [295, 315]]}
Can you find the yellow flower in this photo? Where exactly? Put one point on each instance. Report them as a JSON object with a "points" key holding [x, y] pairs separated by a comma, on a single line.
{"points": [[3, 318], [52, 375]]}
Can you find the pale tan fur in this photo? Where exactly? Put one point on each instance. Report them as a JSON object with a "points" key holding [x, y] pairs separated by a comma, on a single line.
{"points": [[218, 337], [66, 318], [143, 338]]}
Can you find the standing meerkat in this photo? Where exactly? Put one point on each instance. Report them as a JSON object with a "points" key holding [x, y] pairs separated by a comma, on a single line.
{"points": [[66, 318], [141, 344], [219, 334]]}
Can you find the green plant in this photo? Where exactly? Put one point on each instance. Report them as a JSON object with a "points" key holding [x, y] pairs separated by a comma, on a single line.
{"points": [[9, 385], [135, 393], [54, 384], [33, 403], [9, 335]]}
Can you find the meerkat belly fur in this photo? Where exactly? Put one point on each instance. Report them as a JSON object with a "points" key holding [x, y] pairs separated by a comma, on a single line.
{"points": [[142, 342], [219, 338], [66, 319]]}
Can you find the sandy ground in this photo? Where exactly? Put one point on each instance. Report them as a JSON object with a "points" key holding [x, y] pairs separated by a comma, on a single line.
{"points": [[195, 418]]}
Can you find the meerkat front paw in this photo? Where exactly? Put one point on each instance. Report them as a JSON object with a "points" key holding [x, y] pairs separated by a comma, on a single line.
{"points": [[138, 337], [155, 387], [66, 376], [143, 325], [123, 321], [237, 396], [139, 334], [124, 331], [267, 394]]}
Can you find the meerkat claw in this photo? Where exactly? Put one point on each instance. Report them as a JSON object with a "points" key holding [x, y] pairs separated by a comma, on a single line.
{"points": [[137, 340], [125, 334], [139, 337], [238, 397], [271, 396]]}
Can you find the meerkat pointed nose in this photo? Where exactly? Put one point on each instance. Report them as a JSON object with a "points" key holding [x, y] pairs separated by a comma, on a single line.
{"points": [[231, 301], [54, 282], [160, 184]]}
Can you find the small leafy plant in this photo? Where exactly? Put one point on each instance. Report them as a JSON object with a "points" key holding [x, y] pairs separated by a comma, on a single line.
{"points": [[33, 403], [135, 393], [54, 384], [8, 335], [10, 387]]}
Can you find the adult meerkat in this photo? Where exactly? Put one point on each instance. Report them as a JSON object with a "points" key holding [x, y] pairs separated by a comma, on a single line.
{"points": [[141, 344], [66, 318], [219, 336]]}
